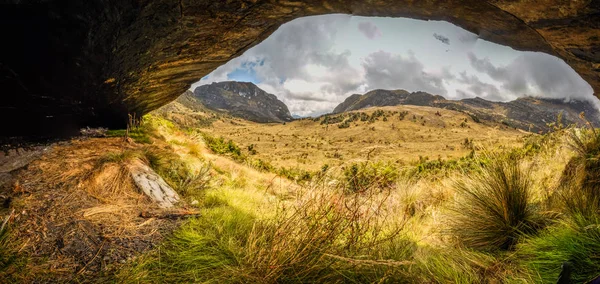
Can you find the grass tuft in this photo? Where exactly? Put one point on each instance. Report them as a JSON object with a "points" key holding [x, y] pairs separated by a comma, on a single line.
{"points": [[580, 183], [326, 237], [572, 242], [495, 208]]}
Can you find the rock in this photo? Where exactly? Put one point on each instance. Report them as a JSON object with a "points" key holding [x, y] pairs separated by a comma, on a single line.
{"points": [[195, 202], [153, 185], [18, 158], [121, 57], [242, 99], [526, 113]]}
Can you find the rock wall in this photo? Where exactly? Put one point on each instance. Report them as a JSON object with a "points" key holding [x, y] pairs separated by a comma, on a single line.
{"points": [[69, 63]]}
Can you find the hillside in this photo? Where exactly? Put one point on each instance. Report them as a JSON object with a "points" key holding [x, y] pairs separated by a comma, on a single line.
{"points": [[400, 134], [244, 100], [527, 113], [393, 194]]}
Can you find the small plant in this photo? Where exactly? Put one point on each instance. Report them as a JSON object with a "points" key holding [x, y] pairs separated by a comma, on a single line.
{"points": [[360, 177], [252, 149], [495, 207], [220, 146]]}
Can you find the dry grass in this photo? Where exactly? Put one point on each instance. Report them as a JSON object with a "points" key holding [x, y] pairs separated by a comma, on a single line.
{"points": [[79, 212], [307, 144]]}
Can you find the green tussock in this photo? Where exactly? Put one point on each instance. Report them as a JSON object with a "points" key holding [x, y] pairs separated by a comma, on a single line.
{"points": [[316, 242], [495, 206], [580, 246]]}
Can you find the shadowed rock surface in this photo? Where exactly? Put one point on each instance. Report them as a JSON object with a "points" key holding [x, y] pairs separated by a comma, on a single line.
{"points": [[65, 64]]}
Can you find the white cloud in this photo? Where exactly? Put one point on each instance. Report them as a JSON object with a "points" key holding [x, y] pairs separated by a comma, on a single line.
{"points": [[384, 70], [536, 74], [307, 66], [370, 30]]}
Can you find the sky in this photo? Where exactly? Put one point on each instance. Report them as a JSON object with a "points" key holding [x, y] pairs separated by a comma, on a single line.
{"points": [[312, 64]]}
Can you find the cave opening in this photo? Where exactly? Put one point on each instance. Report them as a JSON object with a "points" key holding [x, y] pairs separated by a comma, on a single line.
{"points": [[314, 63]]}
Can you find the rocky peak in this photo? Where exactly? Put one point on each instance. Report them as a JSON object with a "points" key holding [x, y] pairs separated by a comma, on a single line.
{"points": [[244, 100]]}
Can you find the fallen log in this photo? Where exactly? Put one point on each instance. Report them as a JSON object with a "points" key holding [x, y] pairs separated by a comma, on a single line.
{"points": [[169, 215]]}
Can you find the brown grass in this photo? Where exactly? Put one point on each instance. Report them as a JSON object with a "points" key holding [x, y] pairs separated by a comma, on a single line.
{"points": [[308, 144], [80, 213]]}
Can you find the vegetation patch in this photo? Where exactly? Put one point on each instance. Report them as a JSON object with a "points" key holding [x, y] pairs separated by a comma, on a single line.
{"points": [[495, 206]]}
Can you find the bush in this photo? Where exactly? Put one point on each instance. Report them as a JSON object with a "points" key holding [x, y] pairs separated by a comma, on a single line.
{"points": [[261, 165], [219, 146], [495, 208], [296, 174], [360, 177]]}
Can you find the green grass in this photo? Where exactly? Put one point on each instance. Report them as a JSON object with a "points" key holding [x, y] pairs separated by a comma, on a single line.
{"points": [[495, 206], [580, 182], [220, 146], [177, 173], [138, 135], [12, 264], [543, 255], [316, 242]]}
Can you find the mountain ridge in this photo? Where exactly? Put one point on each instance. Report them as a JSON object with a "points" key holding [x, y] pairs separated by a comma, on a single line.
{"points": [[244, 100], [527, 113]]}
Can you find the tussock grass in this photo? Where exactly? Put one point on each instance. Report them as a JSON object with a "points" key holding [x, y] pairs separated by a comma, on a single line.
{"points": [[495, 206], [179, 174], [575, 241], [326, 237], [580, 183]]}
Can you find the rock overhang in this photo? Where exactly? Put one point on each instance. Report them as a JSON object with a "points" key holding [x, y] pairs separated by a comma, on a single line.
{"points": [[66, 64]]}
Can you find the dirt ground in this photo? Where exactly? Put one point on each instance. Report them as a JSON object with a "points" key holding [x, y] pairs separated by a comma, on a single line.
{"points": [[74, 217]]}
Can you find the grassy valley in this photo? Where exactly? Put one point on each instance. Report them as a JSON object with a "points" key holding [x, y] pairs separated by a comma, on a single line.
{"points": [[402, 194], [401, 135]]}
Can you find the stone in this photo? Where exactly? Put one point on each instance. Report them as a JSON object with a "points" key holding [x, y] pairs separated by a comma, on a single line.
{"points": [[151, 184], [70, 63]]}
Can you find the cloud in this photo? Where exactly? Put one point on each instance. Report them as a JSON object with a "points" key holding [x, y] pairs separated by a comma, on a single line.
{"points": [[308, 66], [370, 30], [442, 38], [480, 89], [536, 74], [298, 63], [384, 70]]}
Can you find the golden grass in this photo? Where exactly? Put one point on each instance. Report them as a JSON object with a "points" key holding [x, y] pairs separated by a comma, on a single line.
{"points": [[308, 144]]}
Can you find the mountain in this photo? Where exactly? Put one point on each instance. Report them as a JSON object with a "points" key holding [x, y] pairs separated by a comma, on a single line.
{"points": [[386, 98], [244, 100], [527, 113]]}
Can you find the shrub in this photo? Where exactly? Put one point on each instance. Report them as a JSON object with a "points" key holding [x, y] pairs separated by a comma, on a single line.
{"points": [[219, 146], [252, 149], [296, 174], [495, 208], [359, 177], [261, 165]]}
